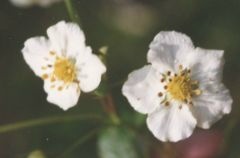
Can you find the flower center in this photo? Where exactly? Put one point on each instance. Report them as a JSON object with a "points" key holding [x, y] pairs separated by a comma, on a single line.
{"points": [[180, 87], [64, 70]]}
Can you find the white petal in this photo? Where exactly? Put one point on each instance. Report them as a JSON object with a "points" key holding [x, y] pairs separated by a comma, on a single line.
{"points": [[28, 3], [165, 46], [206, 65], [65, 98], [90, 70], [46, 3], [22, 3], [212, 104], [171, 123], [142, 88], [35, 52], [67, 39]]}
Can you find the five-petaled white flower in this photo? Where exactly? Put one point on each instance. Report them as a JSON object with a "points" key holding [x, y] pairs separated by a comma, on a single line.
{"points": [[28, 3], [180, 89], [64, 62]]}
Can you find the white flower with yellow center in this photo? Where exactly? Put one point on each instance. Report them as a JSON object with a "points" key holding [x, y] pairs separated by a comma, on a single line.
{"points": [[64, 62], [28, 3], [180, 89]]}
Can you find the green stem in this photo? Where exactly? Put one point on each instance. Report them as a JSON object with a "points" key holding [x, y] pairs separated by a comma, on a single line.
{"points": [[72, 11], [79, 142], [45, 121], [109, 107]]}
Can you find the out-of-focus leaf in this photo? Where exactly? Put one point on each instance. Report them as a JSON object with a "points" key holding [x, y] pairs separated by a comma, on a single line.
{"points": [[133, 118], [117, 142], [139, 119]]}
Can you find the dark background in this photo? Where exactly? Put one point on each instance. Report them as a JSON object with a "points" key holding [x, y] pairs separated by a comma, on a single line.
{"points": [[126, 27]]}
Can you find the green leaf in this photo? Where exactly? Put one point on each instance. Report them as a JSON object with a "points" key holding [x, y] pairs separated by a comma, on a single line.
{"points": [[117, 142]]}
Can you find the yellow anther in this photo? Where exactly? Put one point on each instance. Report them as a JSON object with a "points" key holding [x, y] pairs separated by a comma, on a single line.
{"points": [[195, 82], [52, 86], [43, 67], [180, 67], [60, 88], [181, 87], [197, 92], [167, 103], [45, 76], [52, 53], [53, 79], [160, 94]]}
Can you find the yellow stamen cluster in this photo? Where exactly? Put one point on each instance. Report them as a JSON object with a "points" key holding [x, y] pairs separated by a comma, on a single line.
{"points": [[179, 87], [63, 70], [182, 88]]}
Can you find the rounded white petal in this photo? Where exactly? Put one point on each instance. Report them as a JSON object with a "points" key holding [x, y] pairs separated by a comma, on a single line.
{"points": [[142, 88], [165, 46], [206, 65], [46, 3], [171, 123], [67, 39], [35, 52], [65, 98], [22, 3], [28, 3], [212, 104], [90, 70]]}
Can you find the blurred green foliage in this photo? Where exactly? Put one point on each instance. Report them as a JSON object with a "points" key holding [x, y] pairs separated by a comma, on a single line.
{"points": [[116, 142]]}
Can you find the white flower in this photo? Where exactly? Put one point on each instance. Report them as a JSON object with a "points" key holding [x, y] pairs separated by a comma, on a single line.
{"points": [[181, 87], [28, 3], [64, 62]]}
